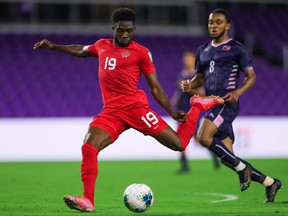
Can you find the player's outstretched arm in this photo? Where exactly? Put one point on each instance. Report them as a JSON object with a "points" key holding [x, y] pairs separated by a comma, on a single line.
{"points": [[75, 50], [249, 81], [161, 97]]}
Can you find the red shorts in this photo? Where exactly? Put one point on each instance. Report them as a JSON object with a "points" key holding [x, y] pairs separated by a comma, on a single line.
{"points": [[143, 119]]}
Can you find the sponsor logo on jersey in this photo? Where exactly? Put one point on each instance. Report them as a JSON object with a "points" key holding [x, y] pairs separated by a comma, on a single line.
{"points": [[125, 53]]}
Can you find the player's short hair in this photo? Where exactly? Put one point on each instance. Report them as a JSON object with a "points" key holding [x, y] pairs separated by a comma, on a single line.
{"points": [[223, 12], [189, 52], [123, 14]]}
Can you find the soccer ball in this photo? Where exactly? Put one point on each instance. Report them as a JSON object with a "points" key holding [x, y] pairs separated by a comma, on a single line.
{"points": [[138, 197]]}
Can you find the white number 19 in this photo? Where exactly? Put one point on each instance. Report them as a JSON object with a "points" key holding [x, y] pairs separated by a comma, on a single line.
{"points": [[150, 119], [110, 62]]}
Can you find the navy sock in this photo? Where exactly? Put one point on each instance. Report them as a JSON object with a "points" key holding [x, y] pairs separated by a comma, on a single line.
{"points": [[256, 175], [223, 153], [184, 161]]}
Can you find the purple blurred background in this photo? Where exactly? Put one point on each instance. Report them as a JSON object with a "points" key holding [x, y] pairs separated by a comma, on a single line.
{"points": [[37, 83], [42, 83]]}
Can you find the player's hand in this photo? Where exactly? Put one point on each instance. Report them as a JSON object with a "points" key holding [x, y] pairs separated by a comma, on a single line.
{"points": [[186, 85], [44, 44], [231, 97], [179, 116]]}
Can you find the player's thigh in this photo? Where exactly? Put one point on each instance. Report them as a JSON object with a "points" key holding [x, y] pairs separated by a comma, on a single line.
{"points": [[169, 138], [98, 137], [145, 120], [206, 132], [104, 129]]}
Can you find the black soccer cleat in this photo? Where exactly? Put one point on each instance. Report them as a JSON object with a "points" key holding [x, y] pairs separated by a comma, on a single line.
{"points": [[245, 178], [272, 190]]}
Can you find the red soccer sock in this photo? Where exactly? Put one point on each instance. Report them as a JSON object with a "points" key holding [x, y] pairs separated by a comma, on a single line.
{"points": [[89, 170], [187, 129]]}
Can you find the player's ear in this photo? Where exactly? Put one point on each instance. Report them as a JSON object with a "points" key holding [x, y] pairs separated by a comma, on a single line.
{"points": [[227, 26]]}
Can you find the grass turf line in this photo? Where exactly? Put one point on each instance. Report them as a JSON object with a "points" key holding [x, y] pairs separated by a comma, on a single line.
{"points": [[37, 188]]}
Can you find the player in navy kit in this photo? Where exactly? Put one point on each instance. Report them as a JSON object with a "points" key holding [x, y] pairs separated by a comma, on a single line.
{"points": [[181, 100], [218, 67], [122, 61]]}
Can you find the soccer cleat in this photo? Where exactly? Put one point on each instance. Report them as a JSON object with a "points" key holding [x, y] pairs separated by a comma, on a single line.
{"points": [[78, 203], [272, 190], [245, 178], [206, 102]]}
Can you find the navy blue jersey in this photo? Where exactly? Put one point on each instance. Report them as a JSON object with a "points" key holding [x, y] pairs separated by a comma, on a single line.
{"points": [[221, 65], [184, 97]]}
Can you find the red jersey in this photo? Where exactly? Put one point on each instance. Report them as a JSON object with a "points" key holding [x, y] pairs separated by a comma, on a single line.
{"points": [[120, 69]]}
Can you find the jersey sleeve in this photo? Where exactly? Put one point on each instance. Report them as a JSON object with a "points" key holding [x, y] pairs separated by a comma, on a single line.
{"points": [[92, 49], [243, 58], [146, 64]]}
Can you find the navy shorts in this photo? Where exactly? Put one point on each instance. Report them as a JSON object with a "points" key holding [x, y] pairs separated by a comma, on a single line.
{"points": [[222, 117]]}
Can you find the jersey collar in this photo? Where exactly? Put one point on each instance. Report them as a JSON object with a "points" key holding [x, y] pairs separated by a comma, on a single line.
{"points": [[216, 45]]}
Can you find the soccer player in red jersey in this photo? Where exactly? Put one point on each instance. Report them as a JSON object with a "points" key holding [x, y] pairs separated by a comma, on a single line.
{"points": [[121, 63]]}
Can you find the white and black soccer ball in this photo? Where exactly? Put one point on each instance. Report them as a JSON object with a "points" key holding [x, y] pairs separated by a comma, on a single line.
{"points": [[138, 197]]}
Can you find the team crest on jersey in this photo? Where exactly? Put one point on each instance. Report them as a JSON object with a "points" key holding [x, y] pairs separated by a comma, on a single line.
{"points": [[125, 53], [226, 48]]}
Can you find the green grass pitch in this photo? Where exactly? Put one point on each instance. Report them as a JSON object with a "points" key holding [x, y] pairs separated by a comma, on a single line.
{"points": [[37, 188]]}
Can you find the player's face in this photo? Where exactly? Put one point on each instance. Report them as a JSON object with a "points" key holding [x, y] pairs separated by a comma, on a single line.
{"points": [[123, 32], [217, 26], [189, 61]]}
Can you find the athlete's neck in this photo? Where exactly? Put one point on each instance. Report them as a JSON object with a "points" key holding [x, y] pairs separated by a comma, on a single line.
{"points": [[117, 44], [220, 40]]}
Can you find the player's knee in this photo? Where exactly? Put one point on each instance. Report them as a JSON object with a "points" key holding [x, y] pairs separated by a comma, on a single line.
{"points": [[175, 146], [178, 146], [205, 140], [97, 138]]}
